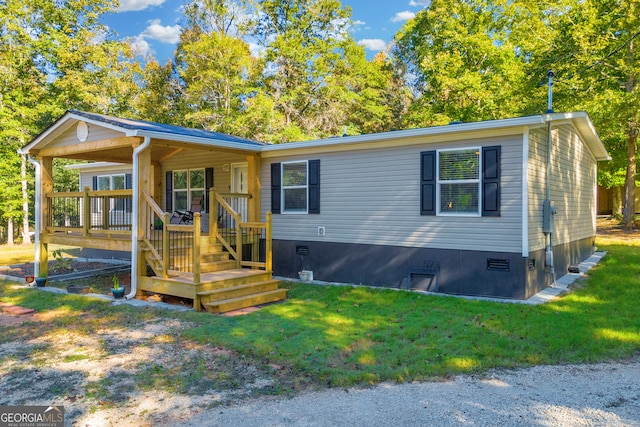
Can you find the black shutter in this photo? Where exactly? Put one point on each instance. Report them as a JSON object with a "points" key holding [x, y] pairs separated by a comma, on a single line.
{"points": [[208, 183], [128, 185], [491, 181], [94, 183], [276, 184], [314, 186], [428, 183], [168, 196]]}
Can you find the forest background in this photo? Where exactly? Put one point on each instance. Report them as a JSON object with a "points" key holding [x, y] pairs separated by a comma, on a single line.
{"points": [[456, 60]]}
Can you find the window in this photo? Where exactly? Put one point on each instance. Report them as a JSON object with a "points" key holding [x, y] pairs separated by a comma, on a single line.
{"points": [[294, 187], [187, 184], [459, 182], [111, 182]]}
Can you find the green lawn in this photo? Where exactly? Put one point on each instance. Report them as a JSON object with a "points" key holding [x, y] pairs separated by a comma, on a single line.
{"points": [[347, 336], [18, 254]]}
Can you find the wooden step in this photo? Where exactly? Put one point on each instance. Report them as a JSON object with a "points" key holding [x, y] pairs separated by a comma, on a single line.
{"points": [[209, 267], [246, 301], [238, 291], [214, 256]]}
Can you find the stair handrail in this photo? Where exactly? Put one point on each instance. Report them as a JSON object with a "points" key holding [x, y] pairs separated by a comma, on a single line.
{"points": [[216, 199], [164, 217]]}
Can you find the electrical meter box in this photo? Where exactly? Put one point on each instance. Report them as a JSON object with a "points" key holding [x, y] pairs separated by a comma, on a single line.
{"points": [[548, 211]]}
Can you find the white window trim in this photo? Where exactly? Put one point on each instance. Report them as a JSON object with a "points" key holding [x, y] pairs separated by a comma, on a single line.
{"points": [[189, 189], [111, 177], [459, 181], [293, 187]]}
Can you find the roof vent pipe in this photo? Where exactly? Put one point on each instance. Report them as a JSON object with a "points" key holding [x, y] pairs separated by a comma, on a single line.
{"points": [[550, 75]]}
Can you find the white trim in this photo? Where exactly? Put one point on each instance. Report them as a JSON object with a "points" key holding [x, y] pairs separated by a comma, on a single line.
{"points": [[459, 181], [525, 193], [98, 166], [232, 167], [283, 211], [135, 182]]}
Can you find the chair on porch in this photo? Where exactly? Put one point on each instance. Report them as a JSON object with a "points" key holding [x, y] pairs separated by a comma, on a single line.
{"points": [[186, 217]]}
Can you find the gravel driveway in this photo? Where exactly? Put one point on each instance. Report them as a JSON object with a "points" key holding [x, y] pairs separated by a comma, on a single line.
{"points": [[575, 395]]}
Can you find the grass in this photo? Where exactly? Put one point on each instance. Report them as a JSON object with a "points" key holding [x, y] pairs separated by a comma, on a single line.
{"points": [[343, 336], [18, 254]]}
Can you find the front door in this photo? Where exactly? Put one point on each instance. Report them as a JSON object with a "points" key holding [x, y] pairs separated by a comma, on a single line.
{"points": [[240, 185]]}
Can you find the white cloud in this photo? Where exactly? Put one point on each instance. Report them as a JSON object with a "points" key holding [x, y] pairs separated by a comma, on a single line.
{"points": [[403, 16], [358, 22], [165, 34], [424, 3], [373, 44], [140, 46], [135, 5]]}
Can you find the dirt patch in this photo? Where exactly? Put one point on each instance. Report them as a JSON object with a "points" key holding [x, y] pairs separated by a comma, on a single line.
{"points": [[122, 369], [612, 229], [22, 270]]}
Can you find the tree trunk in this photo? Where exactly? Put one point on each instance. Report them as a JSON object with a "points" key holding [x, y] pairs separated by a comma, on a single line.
{"points": [[630, 179], [616, 202], [10, 232], [26, 238]]}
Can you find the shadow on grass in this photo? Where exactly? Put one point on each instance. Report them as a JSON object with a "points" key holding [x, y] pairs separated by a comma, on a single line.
{"points": [[343, 335]]}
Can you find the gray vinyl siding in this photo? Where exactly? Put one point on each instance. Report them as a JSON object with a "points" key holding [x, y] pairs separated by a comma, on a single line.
{"points": [[96, 133], [373, 197], [195, 159], [573, 187], [536, 187], [86, 178]]}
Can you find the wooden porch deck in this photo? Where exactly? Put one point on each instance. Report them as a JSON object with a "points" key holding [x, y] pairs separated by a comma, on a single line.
{"points": [[188, 263], [219, 291]]}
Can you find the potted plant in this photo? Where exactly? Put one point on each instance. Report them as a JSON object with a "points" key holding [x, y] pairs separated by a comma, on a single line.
{"points": [[117, 290], [41, 280]]}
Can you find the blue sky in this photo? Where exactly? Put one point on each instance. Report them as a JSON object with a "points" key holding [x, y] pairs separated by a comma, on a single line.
{"points": [[155, 25]]}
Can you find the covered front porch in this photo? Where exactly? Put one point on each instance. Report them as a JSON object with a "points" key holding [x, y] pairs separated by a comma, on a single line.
{"points": [[219, 255]]}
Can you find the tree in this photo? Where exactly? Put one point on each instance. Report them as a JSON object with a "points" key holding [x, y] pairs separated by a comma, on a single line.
{"points": [[54, 56], [597, 54], [315, 74], [217, 72], [462, 64]]}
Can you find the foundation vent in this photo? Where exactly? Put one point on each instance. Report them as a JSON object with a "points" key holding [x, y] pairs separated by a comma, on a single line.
{"points": [[497, 264], [302, 250], [531, 264]]}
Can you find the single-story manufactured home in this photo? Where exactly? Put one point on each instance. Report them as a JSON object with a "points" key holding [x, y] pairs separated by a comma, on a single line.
{"points": [[496, 208]]}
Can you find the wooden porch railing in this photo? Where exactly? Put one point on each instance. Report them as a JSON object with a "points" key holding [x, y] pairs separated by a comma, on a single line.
{"points": [[89, 212], [241, 238], [174, 248]]}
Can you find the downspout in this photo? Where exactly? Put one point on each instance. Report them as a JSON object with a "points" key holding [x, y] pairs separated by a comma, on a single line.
{"points": [[134, 217], [38, 214]]}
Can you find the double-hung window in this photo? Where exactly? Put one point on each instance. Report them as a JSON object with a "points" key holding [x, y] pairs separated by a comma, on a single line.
{"points": [[295, 187], [111, 182], [187, 184], [459, 182]]}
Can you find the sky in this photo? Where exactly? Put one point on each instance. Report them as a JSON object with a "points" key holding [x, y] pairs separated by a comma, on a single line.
{"points": [[154, 25]]}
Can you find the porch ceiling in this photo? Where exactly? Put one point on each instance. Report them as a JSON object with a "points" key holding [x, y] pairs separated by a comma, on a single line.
{"points": [[118, 150]]}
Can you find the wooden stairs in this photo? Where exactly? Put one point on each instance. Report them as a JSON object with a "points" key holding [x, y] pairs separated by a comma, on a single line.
{"points": [[222, 287]]}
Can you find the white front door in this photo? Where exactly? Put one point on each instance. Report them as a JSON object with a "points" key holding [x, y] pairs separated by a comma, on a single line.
{"points": [[240, 185]]}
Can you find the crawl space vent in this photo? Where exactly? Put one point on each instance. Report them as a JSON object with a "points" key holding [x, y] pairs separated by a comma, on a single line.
{"points": [[497, 264]]}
